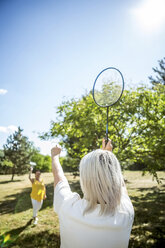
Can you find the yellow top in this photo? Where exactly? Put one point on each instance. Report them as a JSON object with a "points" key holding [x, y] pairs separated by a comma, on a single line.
{"points": [[38, 190]]}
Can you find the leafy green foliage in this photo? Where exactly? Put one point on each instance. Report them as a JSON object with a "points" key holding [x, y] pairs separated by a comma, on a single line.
{"points": [[18, 150], [43, 163], [107, 93], [69, 164], [136, 127], [6, 166]]}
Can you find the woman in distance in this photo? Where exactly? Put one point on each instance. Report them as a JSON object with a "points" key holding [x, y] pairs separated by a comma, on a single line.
{"points": [[38, 193]]}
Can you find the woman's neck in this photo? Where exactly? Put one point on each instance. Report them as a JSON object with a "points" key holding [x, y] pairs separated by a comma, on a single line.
{"points": [[38, 180]]}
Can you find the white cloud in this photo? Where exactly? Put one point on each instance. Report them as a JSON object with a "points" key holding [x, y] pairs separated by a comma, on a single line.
{"points": [[9, 129], [3, 91], [45, 146]]}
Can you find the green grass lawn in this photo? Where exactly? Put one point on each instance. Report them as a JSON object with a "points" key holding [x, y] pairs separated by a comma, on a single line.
{"points": [[15, 211]]}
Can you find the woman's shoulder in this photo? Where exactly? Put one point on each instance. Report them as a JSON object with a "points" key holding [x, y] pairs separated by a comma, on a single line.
{"points": [[33, 180], [126, 204], [40, 182]]}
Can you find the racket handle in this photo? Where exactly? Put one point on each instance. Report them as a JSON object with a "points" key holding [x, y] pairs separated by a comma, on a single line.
{"points": [[106, 135]]}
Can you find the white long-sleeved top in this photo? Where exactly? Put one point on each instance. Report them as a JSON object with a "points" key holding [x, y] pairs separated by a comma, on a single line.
{"points": [[91, 230]]}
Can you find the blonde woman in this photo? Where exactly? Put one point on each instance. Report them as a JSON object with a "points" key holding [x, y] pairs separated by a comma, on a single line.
{"points": [[103, 218], [38, 193]]}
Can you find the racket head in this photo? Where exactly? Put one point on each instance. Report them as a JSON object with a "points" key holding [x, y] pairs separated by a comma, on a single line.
{"points": [[108, 87], [32, 165]]}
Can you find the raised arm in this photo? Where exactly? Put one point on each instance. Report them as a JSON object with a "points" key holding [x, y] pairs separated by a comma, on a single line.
{"points": [[30, 173], [56, 166]]}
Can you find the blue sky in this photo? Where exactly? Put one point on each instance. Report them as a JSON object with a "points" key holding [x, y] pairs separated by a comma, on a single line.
{"points": [[53, 50]]}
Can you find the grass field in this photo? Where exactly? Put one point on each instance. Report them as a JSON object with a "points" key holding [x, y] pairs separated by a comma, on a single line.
{"points": [[147, 197]]}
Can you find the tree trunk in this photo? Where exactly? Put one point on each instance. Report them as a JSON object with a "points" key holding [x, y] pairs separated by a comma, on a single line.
{"points": [[13, 173]]}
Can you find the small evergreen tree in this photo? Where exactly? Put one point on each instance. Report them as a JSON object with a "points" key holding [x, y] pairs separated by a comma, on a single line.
{"points": [[19, 151], [160, 74]]}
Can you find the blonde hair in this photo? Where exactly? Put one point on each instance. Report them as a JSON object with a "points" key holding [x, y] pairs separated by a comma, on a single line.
{"points": [[101, 181]]}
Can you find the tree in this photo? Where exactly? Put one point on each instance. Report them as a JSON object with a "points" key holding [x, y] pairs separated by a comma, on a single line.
{"points": [[19, 151], [5, 164], [43, 162], [1, 156], [136, 127], [150, 129], [160, 77], [70, 164]]}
